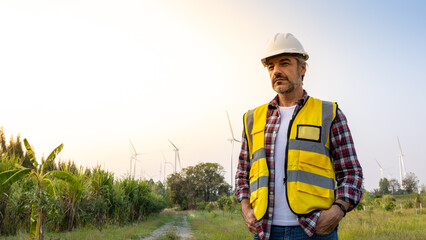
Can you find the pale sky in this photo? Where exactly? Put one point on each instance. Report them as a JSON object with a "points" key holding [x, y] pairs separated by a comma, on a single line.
{"points": [[94, 74]]}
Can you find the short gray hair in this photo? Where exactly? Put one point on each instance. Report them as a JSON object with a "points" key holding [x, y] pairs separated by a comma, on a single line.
{"points": [[301, 60]]}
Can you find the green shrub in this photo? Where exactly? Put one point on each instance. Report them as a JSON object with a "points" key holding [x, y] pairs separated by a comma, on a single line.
{"points": [[390, 206], [224, 202], [209, 207], [408, 204], [360, 206], [201, 205], [377, 201]]}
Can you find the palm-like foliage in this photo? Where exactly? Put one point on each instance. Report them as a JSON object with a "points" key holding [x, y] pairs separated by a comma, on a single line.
{"points": [[7, 178], [40, 178], [10, 172]]}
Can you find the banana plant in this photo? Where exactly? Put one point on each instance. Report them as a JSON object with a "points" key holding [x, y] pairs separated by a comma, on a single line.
{"points": [[8, 177], [10, 172], [40, 178]]}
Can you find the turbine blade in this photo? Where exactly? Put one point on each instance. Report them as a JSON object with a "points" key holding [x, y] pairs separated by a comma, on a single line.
{"points": [[399, 145], [230, 126], [173, 145], [133, 147], [378, 163]]}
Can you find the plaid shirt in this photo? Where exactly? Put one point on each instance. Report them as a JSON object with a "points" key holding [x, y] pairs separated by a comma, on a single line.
{"points": [[346, 166]]}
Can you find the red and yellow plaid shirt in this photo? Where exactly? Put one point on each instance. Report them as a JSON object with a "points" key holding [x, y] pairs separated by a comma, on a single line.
{"points": [[346, 166]]}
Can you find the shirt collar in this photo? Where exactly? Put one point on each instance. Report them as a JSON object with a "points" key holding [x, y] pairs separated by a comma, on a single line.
{"points": [[300, 102]]}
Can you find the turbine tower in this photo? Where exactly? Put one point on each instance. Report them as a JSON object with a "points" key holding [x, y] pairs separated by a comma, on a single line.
{"points": [[165, 162], [381, 169], [402, 172], [232, 140], [177, 158], [134, 157]]}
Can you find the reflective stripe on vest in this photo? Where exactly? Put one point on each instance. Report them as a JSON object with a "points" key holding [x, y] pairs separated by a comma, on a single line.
{"points": [[310, 176], [259, 172]]}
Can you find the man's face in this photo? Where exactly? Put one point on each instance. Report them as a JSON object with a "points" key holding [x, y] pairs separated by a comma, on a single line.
{"points": [[285, 74]]}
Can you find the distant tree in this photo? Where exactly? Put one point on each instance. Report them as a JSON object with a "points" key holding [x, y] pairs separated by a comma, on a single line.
{"points": [[423, 189], [202, 182], [376, 193], [14, 149], [208, 179], [384, 186], [3, 143], [159, 189], [177, 187], [394, 186], [410, 183]]}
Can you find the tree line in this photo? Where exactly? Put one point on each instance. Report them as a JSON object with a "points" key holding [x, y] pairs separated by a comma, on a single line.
{"points": [[391, 195], [410, 184]]}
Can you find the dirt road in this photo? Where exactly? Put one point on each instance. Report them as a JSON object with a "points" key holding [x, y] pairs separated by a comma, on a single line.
{"points": [[178, 227]]}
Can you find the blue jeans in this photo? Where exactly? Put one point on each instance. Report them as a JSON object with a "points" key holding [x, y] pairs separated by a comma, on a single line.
{"points": [[296, 233]]}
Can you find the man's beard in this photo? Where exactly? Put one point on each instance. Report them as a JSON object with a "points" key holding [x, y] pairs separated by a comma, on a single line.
{"points": [[284, 89], [281, 89]]}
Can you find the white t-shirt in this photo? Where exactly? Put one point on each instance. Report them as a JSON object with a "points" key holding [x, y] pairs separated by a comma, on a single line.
{"points": [[282, 213]]}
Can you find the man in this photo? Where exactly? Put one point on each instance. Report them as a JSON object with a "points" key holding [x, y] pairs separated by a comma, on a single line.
{"points": [[298, 172]]}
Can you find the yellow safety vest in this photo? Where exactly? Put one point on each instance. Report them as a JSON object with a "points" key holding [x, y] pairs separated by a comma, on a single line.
{"points": [[310, 178]]}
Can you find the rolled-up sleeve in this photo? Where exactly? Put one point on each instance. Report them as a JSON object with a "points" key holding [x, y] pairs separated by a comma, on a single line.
{"points": [[346, 165], [242, 190]]}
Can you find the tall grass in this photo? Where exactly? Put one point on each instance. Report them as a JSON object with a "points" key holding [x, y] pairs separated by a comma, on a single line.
{"points": [[377, 223], [374, 223], [218, 225]]}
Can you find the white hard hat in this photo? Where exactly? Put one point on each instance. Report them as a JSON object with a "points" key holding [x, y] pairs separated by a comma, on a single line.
{"points": [[283, 43]]}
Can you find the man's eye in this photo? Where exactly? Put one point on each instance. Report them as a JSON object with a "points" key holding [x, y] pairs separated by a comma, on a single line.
{"points": [[271, 68]]}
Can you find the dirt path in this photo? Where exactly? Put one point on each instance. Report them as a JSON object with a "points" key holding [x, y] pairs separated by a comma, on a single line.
{"points": [[179, 225]]}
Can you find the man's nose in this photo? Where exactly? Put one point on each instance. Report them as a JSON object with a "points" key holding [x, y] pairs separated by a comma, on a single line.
{"points": [[277, 72]]}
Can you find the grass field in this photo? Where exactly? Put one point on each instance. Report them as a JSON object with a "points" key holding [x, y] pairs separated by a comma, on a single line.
{"points": [[218, 225], [374, 223], [402, 224], [113, 232], [371, 224]]}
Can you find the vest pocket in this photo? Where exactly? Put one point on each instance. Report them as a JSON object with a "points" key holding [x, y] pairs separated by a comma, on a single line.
{"points": [[315, 163], [253, 176], [314, 175], [257, 162]]}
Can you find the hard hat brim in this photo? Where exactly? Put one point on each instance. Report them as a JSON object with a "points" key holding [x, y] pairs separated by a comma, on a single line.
{"points": [[284, 52]]}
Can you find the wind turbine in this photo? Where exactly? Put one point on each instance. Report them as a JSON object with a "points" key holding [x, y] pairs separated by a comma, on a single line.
{"points": [[134, 157], [177, 158], [401, 164], [381, 169], [232, 140], [165, 162]]}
